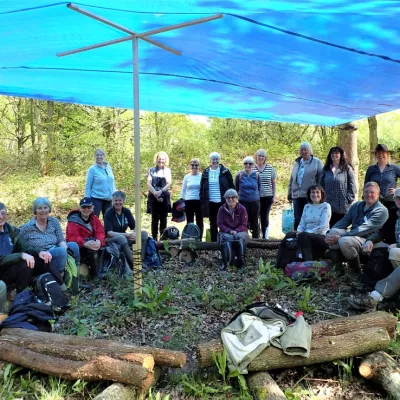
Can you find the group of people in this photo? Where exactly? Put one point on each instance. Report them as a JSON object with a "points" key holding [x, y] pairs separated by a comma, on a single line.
{"points": [[322, 197]]}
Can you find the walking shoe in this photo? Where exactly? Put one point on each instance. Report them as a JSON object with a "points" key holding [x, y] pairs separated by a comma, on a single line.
{"points": [[365, 303]]}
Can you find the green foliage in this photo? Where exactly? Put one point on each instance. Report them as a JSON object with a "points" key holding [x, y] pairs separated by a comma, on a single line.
{"points": [[83, 327], [304, 303], [345, 370], [220, 360], [157, 396], [273, 278]]}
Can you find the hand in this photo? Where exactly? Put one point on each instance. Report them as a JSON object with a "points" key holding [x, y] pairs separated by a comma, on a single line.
{"points": [[30, 260], [97, 245], [46, 256], [392, 246], [367, 246], [391, 191], [233, 232], [89, 244], [158, 193], [131, 235], [332, 239], [273, 199]]}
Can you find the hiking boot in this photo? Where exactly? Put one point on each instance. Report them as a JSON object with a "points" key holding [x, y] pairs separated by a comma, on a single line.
{"points": [[365, 303], [355, 264]]}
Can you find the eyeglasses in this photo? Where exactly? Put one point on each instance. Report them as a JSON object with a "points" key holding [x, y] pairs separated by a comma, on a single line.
{"points": [[230, 198], [397, 198], [86, 206], [194, 165], [247, 163], [260, 156]]}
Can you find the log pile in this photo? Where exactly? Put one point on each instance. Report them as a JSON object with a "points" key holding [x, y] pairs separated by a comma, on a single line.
{"points": [[331, 340], [72, 357]]}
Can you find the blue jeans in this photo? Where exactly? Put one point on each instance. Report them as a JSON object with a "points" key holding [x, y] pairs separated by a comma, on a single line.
{"points": [[60, 256], [100, 206]]}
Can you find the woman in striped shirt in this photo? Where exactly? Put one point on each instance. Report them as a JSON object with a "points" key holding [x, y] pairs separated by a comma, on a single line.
{"points": [[267, 176], [191, 194], [215, 181]]}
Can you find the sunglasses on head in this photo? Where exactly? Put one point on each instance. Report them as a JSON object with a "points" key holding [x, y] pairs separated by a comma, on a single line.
{"points": [[248, 163]]}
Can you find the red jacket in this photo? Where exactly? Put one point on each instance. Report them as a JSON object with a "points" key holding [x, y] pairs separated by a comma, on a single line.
{"points": [[228, 222], [78, 231]]}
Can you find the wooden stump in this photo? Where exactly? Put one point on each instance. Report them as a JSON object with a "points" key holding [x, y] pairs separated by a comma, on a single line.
{"points": [[264, 387], [187, 256], [382, 368], [118, 391]]}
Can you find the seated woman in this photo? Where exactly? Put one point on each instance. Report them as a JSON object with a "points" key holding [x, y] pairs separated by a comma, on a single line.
{"points": [[85, 229], [117, 220], [45, 233], [232, 222], [314, 224]]}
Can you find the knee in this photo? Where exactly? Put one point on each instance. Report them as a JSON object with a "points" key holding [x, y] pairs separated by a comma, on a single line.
{"points": [[394, 254], [3, 288]]}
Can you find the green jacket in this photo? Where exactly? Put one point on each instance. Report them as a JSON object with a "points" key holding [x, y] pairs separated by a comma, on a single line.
{"points": [[20, 246]]}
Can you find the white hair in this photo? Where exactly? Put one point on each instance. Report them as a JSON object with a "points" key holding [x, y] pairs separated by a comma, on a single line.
{"points": [[214, 154], [305, 145], [248, 159]]}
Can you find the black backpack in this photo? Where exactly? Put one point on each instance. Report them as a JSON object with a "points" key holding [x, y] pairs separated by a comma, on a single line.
{"points": [[232, 252], [191, 231], [286, 251], [378, 267], [48, 291], [111, 259], [170, 233]]}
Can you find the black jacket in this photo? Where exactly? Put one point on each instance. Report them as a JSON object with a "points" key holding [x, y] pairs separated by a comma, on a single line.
{"points": [[225, 183]]}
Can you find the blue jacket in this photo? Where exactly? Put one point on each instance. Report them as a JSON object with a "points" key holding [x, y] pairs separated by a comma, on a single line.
{"points": [[100, 182]]}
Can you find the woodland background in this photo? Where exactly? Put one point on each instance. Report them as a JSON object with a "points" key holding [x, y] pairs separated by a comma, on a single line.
{"points": [[46, 147]]}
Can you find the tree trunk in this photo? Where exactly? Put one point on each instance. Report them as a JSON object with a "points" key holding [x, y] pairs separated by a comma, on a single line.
{"points": [[373, 137], [323, 349], [81, 353], [189, 244], [329, 328], [264, 387], [348, 140], [383, 369], [103, 368], [187, 256], [162, 357]]}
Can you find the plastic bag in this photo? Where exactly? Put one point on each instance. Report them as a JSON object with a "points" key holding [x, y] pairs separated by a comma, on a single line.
{"points": [[288, 220]]}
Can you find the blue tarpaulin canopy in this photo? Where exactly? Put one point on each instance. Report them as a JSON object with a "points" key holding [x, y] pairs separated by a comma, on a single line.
{"points": [[311, 61]]}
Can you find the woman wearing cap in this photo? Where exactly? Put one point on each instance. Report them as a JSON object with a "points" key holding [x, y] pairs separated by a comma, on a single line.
{"points": [[44, 232], [339, 183], [384, 173], [215, 181], [232, 221], [247, 184], [191, 194], [306, 171], [85, 229], [159, 180], [100, 183], [267, 190]]}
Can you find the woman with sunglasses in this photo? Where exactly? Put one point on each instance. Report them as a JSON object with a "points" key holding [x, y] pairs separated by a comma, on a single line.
{"points": [[248, 185], [215, 181], [191, 194], [267, 175]]}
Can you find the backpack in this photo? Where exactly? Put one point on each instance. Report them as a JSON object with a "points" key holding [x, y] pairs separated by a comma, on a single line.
{"points": [[191, 231], [112, 259], [287, 251], [306, 269], [71, 275], [231, 252], [170, 233], [288, 219], [378, 267], [151, 258], [48, 291]]}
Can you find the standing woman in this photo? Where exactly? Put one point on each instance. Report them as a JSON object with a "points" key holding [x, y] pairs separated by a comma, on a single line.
{"points": [[100, 183], [247, 184], [159, 201], [215, 181], [191, 194], [306, 171], [339, 183], [267, 190]]}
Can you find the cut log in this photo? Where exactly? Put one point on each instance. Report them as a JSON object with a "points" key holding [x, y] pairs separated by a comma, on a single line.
{"points": [[81, 353], [186, 256], [173, 251], [118, 391], [103, 368], [323, 349], [191, 244], [162, 357], [332, 327], [382, 368], [264, 387]]}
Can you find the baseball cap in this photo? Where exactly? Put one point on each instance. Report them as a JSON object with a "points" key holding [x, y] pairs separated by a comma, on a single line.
{"points": [[86, 201]]}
